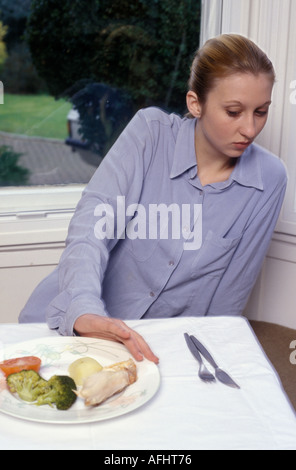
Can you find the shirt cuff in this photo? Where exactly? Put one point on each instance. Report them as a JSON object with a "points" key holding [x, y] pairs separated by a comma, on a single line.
{"points": [[63, 312]]}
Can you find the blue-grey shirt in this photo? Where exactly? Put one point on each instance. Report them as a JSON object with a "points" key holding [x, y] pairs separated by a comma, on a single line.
{"points": [[131, 274]]}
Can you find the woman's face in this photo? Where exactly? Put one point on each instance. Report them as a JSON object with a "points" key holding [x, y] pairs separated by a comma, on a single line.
{"points": [[234, 114]]}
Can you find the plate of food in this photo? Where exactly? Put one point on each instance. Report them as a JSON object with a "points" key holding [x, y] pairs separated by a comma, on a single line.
{"points": [[67, 380]]}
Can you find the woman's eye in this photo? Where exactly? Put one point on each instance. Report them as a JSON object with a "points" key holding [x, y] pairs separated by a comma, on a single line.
{"points": [[232, 113], [237, 113], [261, 113]]}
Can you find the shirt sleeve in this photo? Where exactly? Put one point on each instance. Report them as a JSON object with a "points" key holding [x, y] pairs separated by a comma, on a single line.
{"points": [[238, 280], [84, 260]]}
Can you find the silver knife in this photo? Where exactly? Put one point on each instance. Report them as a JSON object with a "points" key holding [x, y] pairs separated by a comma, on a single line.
{"points": [[220, 374]]}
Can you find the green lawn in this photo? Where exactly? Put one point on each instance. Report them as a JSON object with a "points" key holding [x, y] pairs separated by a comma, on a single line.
{"points": [[34, 115]]}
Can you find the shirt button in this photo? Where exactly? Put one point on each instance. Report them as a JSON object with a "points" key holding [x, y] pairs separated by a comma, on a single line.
{"points": [[171, 263], [152, 294]]}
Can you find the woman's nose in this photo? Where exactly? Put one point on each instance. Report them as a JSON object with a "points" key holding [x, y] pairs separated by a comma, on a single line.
{"points": [[248, 128]]}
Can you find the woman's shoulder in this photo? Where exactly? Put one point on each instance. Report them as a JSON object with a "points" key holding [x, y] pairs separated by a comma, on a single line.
{"points": [[272, 166], [154, 114]]}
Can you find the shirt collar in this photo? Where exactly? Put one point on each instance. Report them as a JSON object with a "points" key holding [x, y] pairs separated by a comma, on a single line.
{"points": [[184, 155], [247, 171]]}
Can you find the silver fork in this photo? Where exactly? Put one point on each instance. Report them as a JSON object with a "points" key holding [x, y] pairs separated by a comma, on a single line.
{"points": [[220, 374], [203, 373]]}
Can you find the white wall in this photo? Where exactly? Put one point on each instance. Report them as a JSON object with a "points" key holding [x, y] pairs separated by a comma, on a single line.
{"points": [[33, 228], [21, 269], [274, 296], [17, 283]]}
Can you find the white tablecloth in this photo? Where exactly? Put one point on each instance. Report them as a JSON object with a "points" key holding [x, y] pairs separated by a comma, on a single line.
{"points": [[185, 414]]}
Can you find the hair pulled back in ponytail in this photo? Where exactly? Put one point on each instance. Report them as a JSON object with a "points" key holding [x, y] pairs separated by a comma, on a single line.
{"points": [[225, 55]]}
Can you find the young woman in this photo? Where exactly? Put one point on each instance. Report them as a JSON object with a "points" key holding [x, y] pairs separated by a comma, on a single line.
{"points": [[178, 217]]}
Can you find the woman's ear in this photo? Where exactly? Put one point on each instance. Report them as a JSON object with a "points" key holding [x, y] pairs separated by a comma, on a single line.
{"points": [[193, 104]]}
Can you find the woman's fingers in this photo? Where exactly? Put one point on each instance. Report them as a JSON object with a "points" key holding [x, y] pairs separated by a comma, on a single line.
{"points": [[114, 330], [139, 348], [99, 326]]}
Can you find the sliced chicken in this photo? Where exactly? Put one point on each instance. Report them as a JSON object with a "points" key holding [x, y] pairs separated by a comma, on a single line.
{"points": [[109, 381]]}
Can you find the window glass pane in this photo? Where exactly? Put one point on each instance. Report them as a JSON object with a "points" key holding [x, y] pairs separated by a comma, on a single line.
{"points": [[75, 72]]}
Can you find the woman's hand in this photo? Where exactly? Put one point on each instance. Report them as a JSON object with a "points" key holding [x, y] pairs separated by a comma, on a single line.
{"points": [[112, 329]]}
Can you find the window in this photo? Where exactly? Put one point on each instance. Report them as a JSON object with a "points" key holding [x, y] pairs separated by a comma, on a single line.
{"points": [[73, 74]]}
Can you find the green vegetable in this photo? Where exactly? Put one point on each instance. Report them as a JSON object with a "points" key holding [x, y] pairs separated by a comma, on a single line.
{"points": [[60, 393], [27, 384]]}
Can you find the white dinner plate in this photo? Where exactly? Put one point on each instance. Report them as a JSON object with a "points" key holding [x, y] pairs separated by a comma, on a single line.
{"points": [[57, 354]]}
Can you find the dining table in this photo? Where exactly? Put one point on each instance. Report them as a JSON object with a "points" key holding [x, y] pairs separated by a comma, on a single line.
{"points": [[179, 414]]}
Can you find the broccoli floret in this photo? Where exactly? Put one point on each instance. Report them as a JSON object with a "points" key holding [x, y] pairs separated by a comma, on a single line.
{"points": [[27, 384], [60, 393]]}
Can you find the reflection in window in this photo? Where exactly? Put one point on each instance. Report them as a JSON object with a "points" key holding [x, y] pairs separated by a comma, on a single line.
{"points": [[75, 72]]}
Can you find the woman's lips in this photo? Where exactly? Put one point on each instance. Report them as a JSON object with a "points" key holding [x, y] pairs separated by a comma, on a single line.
{"points": [[242, 145]]}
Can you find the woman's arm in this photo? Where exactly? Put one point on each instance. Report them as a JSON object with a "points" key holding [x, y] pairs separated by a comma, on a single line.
{"points": [[79, 304]]}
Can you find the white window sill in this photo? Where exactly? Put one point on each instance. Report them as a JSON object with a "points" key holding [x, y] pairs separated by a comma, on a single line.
{"points": [[39, 198], [33, 215]]}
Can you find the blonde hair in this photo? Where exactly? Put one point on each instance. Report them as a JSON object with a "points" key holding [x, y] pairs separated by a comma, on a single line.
{"points": [[225, 55]]}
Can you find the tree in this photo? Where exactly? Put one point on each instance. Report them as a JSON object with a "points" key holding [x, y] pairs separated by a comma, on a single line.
{"points": [[14, 15], [11, 173], [3, 53], [112, 58], [141, 46], [18, 72]]}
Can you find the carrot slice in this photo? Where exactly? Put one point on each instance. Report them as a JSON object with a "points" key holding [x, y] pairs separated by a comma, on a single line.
{"points": [[11, 366]]}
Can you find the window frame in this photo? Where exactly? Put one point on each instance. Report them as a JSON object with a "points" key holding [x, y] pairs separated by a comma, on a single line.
{"points": [[36, 214]]}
